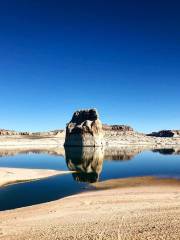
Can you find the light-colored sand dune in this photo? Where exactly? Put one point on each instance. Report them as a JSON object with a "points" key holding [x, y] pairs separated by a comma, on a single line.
{"points": [[13, 175], [138, 211]]}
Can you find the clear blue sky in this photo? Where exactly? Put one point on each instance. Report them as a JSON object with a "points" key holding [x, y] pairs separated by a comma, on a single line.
{"points": [[122, 57]]}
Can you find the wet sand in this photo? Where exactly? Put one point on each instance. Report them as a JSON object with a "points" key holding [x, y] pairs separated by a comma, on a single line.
{"points": [[136, 182], [136, 208]]}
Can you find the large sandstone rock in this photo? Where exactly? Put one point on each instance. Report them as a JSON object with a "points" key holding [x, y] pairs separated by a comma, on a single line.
{"points": [[84, 129]]}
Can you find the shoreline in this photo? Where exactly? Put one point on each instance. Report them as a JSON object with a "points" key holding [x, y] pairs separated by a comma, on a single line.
{"points": [[128, 208], [9, 176], [29, 142], [142, 181], [110, 141], [129, 212]]}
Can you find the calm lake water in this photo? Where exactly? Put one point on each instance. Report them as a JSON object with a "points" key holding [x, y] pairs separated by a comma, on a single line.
{"points": [[90, 164]]}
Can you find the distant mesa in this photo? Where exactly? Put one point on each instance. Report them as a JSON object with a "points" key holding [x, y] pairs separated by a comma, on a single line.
{"points": [[123, 128], [166, 133], [4, 132], [84, 129]]}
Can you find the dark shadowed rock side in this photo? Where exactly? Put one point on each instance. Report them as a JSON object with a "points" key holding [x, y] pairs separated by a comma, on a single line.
{"points": [[84, 129]]}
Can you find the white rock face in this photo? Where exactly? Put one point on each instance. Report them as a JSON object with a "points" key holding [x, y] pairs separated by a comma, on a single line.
{"points": [[84, 129]]}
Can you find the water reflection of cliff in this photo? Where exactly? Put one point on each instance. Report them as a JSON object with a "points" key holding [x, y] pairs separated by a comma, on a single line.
{"points": [[12, 152], [168, 151], [110, 153], [122, 153], [128, 153], [86, 161]]}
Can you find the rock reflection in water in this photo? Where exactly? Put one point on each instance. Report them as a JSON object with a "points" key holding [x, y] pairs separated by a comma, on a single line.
{"points": [[86, 161]]}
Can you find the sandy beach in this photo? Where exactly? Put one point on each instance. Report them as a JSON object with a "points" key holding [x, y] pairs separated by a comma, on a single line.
{"points": [[148, 208], [13, 175]]}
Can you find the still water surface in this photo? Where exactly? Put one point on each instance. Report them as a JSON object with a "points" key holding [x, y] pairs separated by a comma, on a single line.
{"points": [[90, 164]]}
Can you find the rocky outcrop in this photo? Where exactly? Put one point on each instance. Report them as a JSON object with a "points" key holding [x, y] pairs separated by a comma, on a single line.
{"points": [[84, 129], [166, 133], [4, 132], [119, 133]]}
